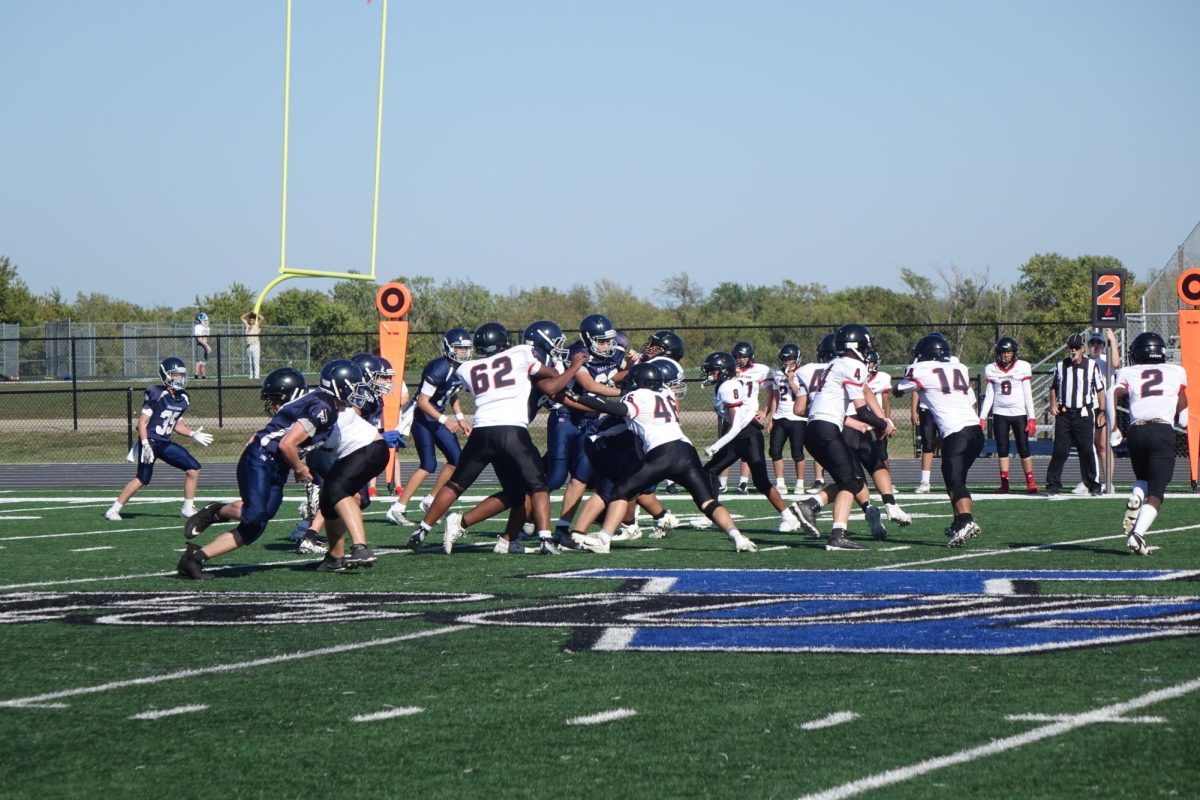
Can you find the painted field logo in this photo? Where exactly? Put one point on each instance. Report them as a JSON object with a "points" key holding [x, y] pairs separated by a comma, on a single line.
{"points": [[858, 611], [218, 608]]}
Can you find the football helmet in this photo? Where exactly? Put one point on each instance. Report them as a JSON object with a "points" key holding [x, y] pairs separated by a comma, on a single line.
{"points": [[490, 338], [281, 386], [646, 376], [932, 347], [717, 368], [1006, 345], [853, 340], [456, 345], [789, 354], [1148, 348], [672, 376], [547, 337], [665, 343], [377, 371], [597, 333], [825, 350], [201, 318], [743, 354], [173, 372], [872, 362], [343, 379]]}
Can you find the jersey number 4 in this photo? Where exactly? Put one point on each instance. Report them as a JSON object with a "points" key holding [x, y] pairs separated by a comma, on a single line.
{"points": [[666, 410], [960, 381]]}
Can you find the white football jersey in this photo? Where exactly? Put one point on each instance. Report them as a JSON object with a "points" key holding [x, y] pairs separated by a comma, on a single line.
{"points": [[500, 384], [1005, 393], [760, 374], [841, 384], [351, 433], [1153, 389], [784, 402], [654, 417], [880, 384], [946, 390], [734, 392]]}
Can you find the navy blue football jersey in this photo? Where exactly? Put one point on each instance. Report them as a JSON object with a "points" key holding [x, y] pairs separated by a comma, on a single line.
{"points": [[164, 410], [441, 382], [316, 411]]}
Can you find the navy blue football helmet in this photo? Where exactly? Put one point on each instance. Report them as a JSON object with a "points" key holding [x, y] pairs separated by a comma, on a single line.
{"points": [[343, 379], [932, 347], [597, 333], [173, 373], [665, 343], [672, 375], [281, 386], [547, 337], [456, 345], [377, 370]]}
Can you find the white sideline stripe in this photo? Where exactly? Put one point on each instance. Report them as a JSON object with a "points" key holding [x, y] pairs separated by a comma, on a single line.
{"points": [[391, 713], [1068, 724], [1030, 549], [776, 547], [19, 702], [1063, 717], [894, 549], [16, 518], [169, 712], [603, 716], [47, 705], [93, 549], [104, 532], [836, 718]]}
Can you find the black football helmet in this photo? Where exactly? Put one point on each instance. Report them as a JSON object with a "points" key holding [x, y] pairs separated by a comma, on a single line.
{"points": [[343, 379], [491, 338], [547, 337], [1148, 348], [665, 343], [872, 362], [646, 375], [717, 368], [173, 373], [597, 333], [377, 370], [853, 340], [456, 345], [281, 386], [789, 354], [932, 347], [743, 354], [1006, 345], [672, 375], [825, 349]]}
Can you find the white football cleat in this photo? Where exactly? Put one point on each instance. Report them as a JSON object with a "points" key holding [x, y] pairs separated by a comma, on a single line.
{"points": [[627, 533], [875, 522], [505, 547], [187, 510], [1080, 490], [964, 534], [743, 545], [454, 531], [112, 515], [702, 523], [788, 521], [896, 514], [1131, 513], [396, 514], [923, 489], [668, 522], [1137, 544], [426, 502], [594, 543]]}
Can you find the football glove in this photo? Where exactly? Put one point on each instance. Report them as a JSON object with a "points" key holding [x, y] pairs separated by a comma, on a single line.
{"points": [[1031, 427], [147, 452], [201, 438], [983, 423], [394, 439], [1115, 438], [708, 451]]}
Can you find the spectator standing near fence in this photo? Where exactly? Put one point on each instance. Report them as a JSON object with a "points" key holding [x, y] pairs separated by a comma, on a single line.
{"points": [[1077, 403], [200, 333], [252, 325]]}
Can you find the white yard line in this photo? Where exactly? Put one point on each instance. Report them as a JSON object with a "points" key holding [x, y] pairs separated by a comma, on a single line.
{"points": [[14, 519], [1064, 717], [93, 549], [218, 669], [159, 713], [1067, 724], [390, 713], [103, 532], [837, 718], [603, 716]]}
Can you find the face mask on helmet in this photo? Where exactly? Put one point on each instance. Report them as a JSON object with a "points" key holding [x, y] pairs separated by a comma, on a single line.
{"points": [[457, 346]]}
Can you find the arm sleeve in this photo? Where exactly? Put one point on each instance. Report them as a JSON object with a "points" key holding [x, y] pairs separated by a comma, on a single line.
{"points": [[742, 417], [1027, 388], [603, 406], [989, 398], [868, 416]]}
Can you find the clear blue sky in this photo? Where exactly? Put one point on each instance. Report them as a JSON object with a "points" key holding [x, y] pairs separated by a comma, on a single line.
{"points": [[530, 143]]}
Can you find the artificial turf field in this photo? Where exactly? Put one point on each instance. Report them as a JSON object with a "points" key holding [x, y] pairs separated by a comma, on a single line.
{"points": [[1042, 660]]}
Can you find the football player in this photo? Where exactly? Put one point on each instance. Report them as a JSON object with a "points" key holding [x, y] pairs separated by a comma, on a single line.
{"points": [[735, 402], [945, 388], [805, 379], [784, 426], [653, 413], [1155, 391], [162, 407], [1009, 399], [748, 370], [499, 377], [842, 385], [278, 447], [437, 421]]}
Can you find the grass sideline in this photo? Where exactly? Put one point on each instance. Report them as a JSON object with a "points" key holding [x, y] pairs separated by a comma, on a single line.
{"points": [[420, 690]]}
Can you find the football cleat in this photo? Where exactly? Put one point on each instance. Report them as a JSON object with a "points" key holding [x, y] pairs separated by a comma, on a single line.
{"points": [[808, 520], [743, 488], [668, 522], [964, 534], [191, 567], [426, 502], [840, 541], [416, 540], [658, 533], [187, 510], [594, 542], [1137, 544], [798, 490], [743, 545], [1131, 513], [627, 533], [395, 513], [330, 564], [1031, 488], [563, 538], [875, 522], [922, 489], [453, 532], [788, 521], [360, 556], [312, 545], [548, 547], [1002, 488], [1081, 490], [505, 547], [197, 523], [898, 515], [702, 523], [818, 485], [671, 487], [112, 515], [528, 533]]}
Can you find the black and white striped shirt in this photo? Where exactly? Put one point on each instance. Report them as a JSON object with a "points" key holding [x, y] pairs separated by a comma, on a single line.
{"points": [[1077, 385]]}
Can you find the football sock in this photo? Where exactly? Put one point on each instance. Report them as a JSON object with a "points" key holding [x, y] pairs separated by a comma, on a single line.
{"points": [[563, 522], [1004, 476], [889, 499], [865, 506], [925, 474], [733, 533], [963, 519], [116, 506], [1145, 518], [605, 536]]}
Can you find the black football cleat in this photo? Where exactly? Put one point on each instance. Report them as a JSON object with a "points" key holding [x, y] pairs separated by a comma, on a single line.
{"points": [[197, 523], [191, 567], [360, 556]]}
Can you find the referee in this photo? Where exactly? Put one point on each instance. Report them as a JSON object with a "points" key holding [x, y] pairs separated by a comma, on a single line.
{"points": [[1077, 403]]}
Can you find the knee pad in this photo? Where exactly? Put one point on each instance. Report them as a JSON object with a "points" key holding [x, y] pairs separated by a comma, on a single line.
{"points": [[454, 487], [958, 492], [711, 509]]}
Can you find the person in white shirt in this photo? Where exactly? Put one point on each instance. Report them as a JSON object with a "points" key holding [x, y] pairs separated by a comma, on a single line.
{"points": [[252, 326], [500, 378], [200, 332], [1009, 399], [945, 387], [842, 385], [784, 426], [760, 374], [806, 380], [1155, 391]]}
